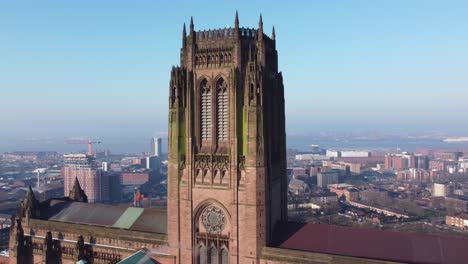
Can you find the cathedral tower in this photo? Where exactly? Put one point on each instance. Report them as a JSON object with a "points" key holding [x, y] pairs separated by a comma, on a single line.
{"points": [[227, 183]]}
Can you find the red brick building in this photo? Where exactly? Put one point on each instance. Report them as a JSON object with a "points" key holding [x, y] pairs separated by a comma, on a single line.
{"points": [[400, 161], [396, 162], [350, 193], [443, 155], [417, 175], [298, 171], [437, 165], [134, 178], [227, 183], [93, 180]]}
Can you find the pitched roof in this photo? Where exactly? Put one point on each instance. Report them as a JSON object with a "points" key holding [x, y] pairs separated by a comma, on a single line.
{"points": [[140, 257], [374, 244], [139, 219], [128, 218]]}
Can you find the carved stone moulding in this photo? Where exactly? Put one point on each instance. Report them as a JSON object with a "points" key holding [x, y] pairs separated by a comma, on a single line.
{"points": [[213, 220]]}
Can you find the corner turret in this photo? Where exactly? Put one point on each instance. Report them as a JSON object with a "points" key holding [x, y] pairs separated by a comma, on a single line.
{"points": [[30, 206], [184, 37]]}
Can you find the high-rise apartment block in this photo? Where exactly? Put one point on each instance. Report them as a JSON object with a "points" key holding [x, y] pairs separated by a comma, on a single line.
{"points": [[92, 178], [400, 161], [156, 146]]}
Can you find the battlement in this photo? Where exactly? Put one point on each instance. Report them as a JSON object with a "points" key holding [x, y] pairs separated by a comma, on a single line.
{"points": [[224, 33], [215, 34], [217, 47], [228, 33], [248, 32]]}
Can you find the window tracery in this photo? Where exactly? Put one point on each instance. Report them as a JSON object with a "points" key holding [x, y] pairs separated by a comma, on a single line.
{"points": [[222, 115], [205, 110]]}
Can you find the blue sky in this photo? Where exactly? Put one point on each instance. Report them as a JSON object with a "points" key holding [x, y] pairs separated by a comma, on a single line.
{"points": [[101, 68]]}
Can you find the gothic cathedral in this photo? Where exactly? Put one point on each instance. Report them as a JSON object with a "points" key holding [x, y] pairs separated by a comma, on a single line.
{"points": [[227, 183]]}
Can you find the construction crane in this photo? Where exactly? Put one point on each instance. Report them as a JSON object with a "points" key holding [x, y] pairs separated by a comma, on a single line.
{"points": [[89, 142]]}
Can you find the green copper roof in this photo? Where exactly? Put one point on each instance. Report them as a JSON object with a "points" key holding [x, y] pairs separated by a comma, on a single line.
{"points": [[128, 218], [139, 257]]}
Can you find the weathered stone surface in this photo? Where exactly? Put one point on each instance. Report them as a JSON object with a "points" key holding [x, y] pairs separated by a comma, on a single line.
{"points": [[227, 128]]}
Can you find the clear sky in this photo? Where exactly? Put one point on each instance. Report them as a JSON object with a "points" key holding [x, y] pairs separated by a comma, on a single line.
{"points": [[101, 68]]}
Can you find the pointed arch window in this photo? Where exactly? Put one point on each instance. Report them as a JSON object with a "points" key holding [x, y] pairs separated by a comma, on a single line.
{"points": [[213, 256], [201, 258], [205, 110], [174, 92], [222, 113], [224, 256], [251, 91]]}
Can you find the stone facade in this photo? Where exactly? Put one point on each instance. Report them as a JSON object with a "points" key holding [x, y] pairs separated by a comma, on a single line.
{"points": [[227, 148], [50, 242], [35, 239]]}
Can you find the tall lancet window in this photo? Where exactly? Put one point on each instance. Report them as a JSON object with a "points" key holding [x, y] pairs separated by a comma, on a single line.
{"points": [[224, 256], [222, 113], [213, 256], [205, 113], [201, 258]]}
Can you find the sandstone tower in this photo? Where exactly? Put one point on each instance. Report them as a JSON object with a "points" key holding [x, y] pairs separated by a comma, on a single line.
{"points": [[227, 183]]}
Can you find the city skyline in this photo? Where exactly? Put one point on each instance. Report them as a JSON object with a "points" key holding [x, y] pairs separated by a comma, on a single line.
{"points": [[76, 69], [232, 186]]}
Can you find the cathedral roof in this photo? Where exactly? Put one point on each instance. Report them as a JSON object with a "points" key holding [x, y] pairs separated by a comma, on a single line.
{"points": [[140, 257], [131, 218], [374, 244]]}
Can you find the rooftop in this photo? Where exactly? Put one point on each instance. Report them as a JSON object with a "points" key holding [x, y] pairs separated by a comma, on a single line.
{"points": [[131, 218], [340, 185], [462, 216], [374, 244], [140, 257]]}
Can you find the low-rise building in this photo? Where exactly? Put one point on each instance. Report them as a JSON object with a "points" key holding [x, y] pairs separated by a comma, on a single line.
{"points": [[456, 204], [324, 198], [350, 193], [135, 178], [459, 220], [309, 157], [332, 153], [379, 210], [297, 186], [326, 178], [355, 154], [440, 189]]}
